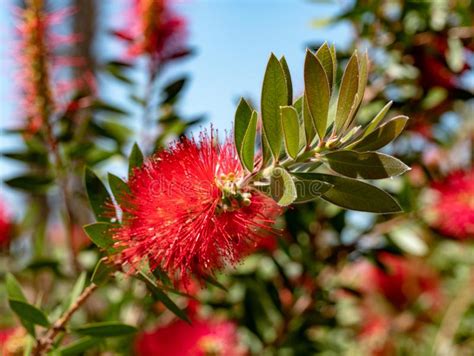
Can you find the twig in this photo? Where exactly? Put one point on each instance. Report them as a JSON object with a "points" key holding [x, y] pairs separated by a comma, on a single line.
{"points": [[44, 343]]}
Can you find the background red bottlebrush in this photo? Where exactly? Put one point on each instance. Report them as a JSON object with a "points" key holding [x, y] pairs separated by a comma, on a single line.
{"points": [[6, 225], [190, 212], [452, 211], [202, 337], [155, 30], [41, 74]]}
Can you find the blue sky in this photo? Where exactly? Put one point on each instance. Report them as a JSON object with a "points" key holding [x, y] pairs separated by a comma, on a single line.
{"points": [[232, 38]]}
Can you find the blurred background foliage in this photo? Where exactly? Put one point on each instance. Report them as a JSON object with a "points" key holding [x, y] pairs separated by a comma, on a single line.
{"points": [[334, 282]]}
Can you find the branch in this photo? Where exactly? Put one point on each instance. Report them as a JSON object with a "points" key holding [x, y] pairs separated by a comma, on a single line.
{"points": [[44, 343]]}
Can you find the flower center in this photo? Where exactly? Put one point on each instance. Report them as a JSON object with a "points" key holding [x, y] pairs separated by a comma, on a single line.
{"points": [[232, 196]]}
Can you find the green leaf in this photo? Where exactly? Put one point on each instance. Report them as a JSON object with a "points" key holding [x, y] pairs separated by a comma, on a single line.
{"points": [[317, 92], [308, 190], [248, 145], [30, 183], [105, 329], [245, 129], [215, 283], [102, 272], [354, 195], [310, 131], [98, 195], [29, 313], [78, 347], [289, 84], [326, 58], [173, 90], [119, 188], [274, 95], [30, 157], [76, 291], [291, 129], [368, 165], [347, 94], [135, 160], [381, 136], [282, 187], [161, 296], [377, 119], [99, 234], [13, 288]]}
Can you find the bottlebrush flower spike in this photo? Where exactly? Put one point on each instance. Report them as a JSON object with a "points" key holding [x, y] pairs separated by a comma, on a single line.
{"points": [[202, 338], [6, 226], [44, 86], [189, 211], [453, 209], [154, 29]]}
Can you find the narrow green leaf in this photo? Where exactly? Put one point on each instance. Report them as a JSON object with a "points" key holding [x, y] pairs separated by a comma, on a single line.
{"points": [[289, 84], [29, 313], [347, 94], [291, 130], [76, 291], [310, 131], [242, 118], [161, 296], [381, 136], [79, 346], [135, 160], [248, 144], [105, 329], [172, 90], [308, 190], [317, 92], [327, 60], [13, 288], [377, 119], [215, 283], [99, 234], [119, 188], [274, 95], [102, 272], [30, 183], [282, 187], [354, 195], [98, 195], [368, 165]]}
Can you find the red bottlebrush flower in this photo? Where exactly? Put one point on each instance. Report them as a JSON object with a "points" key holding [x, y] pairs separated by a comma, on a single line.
{"points": [[189, 211], [12, 341], [405, 282], [154, 29], [6, 226], [199, 338], [44, 83], [453, 209]]}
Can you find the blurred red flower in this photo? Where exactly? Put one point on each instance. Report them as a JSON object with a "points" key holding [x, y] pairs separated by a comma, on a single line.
{"points": [[453, 208], [154, 29], [12, 341], [405, 282], [6, 226], [182, 339], [190, 212]]}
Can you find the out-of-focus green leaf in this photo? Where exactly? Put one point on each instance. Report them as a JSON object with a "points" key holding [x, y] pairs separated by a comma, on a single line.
{"points": [[274, 95], [75, 292], [347, 94], [173, 89], [354, 195], [28, 312], [105, 329], [291, 130], [30, 183], [78, 347], [381, 136], [108, 108], [30, 157], [98, 195], [13, 288], [317, 92], [102, 272], [282, 187], [368, 165]]}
